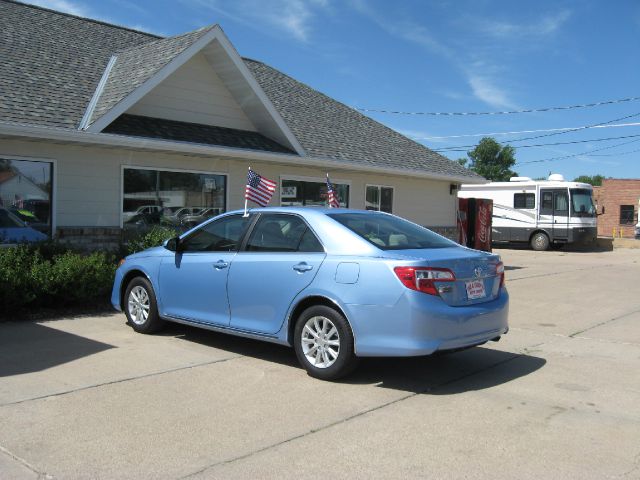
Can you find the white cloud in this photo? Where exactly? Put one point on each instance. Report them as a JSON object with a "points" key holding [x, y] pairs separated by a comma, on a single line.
{"points": [[484, 88], [65, 6], [294, 17], [545, 26]]}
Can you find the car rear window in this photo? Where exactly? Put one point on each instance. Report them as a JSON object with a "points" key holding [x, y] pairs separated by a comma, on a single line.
{"points": [[388, 232]]}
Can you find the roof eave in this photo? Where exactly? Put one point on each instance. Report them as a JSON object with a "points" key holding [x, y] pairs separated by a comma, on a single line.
{"points": [[152, 144]]}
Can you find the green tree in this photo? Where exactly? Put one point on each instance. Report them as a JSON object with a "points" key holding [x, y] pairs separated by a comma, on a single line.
{"points": [[492, 160], [595, 180], [462, 161]]}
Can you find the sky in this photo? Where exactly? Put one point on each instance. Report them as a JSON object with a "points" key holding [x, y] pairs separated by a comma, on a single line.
{"points": [[441, 56]]}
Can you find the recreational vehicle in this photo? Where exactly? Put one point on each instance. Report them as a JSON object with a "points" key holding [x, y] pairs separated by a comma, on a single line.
{"points": [[541, 213]]}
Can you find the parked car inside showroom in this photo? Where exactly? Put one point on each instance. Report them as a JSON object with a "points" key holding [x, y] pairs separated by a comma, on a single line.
{"points": [[336, 284]]}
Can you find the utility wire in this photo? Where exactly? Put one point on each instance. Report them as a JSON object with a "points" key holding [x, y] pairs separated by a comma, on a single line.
{"points": [[562, 129], [578, 154], [462, 148], [614, 154], [531, 110], [553, 144]]}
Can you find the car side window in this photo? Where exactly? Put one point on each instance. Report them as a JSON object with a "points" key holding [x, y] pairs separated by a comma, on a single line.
{"points": [[282, 233], [220, 236]]}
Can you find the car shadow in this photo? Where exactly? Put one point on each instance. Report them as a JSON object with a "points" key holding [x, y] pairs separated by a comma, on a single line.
{"points": [[446, 374], [27, 347]]}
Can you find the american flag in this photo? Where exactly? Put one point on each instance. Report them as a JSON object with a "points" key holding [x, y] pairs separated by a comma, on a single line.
{"points": [[259, 189], [333, 198], [18, 201]]}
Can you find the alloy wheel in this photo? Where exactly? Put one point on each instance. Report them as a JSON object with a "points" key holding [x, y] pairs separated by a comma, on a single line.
{"points": [[139, 305], [320, 342]]}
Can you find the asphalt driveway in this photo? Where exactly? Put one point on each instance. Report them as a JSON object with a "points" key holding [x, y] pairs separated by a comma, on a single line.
{"points": [[558, 397]]}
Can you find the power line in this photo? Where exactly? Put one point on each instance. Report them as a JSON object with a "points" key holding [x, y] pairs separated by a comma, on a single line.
{"points": [[614, 154], [561, 129], [455, 149], [578, 154], [461, 148], [531, 110]]}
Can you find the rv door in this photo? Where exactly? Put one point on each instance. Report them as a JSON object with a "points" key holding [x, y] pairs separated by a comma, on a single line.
{"points": [[554, 212]]}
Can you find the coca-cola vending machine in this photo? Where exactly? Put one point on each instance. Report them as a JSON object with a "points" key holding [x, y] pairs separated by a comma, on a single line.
{"points": [[474, 223]]}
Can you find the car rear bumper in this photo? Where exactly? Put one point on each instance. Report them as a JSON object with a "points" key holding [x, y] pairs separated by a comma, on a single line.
{"points": [[421, 324]]}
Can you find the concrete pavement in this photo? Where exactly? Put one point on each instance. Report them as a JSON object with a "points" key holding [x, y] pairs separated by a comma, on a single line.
{"points": [[558, 397]]}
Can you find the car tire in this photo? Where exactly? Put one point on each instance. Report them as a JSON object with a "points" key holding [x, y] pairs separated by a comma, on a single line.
{"points": [[140, 306], [540, 242], [323, 342]]}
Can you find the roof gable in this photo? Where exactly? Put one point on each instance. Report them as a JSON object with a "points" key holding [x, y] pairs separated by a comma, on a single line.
{"points": [[135, 72]]}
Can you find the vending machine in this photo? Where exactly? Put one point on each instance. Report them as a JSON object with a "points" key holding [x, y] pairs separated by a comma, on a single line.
{"points": [[474, 223]]}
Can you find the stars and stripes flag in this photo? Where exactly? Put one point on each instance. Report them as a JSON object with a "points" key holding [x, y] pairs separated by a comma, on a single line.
{"points": [[259, 189], [18, 201], [334, 202]]}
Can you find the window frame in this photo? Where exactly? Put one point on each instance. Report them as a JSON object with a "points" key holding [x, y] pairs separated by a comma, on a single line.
{"points": [[525, 194], [254, 222], [323, 180], [54, 184], [633, 214], [241, 241], [380, 187], [123, 167]]}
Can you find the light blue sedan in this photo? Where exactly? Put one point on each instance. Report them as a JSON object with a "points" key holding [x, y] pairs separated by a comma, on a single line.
{"points": [[336, 284]]}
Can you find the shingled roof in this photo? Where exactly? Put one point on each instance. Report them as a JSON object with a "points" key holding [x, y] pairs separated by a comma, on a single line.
{"points": [[53, 62]]}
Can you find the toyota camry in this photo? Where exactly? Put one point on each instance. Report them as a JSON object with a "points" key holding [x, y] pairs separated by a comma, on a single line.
{"points": [[336, 284]]}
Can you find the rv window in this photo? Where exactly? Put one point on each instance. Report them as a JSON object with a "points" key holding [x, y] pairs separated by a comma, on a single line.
{"points": [[524, 200], [562, 202], [547, 201]]}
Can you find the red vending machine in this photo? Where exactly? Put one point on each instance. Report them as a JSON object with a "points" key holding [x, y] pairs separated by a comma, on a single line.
{"points": [[474, 223]]}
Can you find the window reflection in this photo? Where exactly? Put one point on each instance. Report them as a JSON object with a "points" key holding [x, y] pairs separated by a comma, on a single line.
{"points": [[177, 199], [25, 196]]}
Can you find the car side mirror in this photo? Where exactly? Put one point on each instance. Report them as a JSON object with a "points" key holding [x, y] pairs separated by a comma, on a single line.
{"points": [[173, 244]]}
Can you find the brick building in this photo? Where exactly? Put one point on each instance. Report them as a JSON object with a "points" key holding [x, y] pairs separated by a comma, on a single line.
{"points": [[619, 198]]}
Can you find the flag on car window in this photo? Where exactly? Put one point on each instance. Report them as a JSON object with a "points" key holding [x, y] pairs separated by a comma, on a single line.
{"points": [[333, 198], [259, 189]]}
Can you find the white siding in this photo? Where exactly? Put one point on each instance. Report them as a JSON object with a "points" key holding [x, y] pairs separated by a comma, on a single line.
{"points": [[194, 93], [89, 187]]}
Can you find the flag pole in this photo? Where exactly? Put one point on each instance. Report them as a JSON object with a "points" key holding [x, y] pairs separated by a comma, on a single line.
{"points": [[245, 200]]}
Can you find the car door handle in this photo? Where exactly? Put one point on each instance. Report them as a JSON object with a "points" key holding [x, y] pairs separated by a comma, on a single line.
{"points": [[220, 264], [302, 267]]}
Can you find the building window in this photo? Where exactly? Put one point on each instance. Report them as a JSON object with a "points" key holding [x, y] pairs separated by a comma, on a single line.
{"points": [[173, 198], [524, 200], [25, 200], [626, 215], [311, 194], [379, 198]]}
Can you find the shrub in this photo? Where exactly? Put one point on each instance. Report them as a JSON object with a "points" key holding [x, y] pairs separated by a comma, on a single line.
{"points": [[153, 238], [29, 279]]}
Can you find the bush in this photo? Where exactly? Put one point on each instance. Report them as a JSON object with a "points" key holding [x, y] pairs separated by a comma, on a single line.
{"points": [[153, 238], [29, 279]]}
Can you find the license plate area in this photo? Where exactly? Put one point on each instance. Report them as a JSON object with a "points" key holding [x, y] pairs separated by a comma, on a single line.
{"points": [[475, 289]]}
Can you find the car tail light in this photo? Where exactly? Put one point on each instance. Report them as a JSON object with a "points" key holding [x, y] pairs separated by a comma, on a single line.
{"points": [[422, 279], [500, 273]]}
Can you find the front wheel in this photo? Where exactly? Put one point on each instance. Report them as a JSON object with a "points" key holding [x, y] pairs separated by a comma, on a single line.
{"points": [[323, 342], [540, 242], [140, 306]]}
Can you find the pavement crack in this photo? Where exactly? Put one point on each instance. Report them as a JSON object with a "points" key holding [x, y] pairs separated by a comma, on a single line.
{"points": [[120, 380], [349, 418], [604, 323], [553, 274], [24, 463]]}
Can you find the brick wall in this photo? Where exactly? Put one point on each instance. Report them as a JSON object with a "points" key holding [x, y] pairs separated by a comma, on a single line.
{"points": [[611, 195]]}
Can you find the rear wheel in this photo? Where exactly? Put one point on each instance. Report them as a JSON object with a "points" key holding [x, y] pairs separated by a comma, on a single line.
{"points": [[323, 342], [140, 306], [540, 241]]}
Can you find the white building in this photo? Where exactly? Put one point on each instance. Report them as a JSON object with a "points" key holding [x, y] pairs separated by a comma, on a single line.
{"points": [[116, 114]]}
